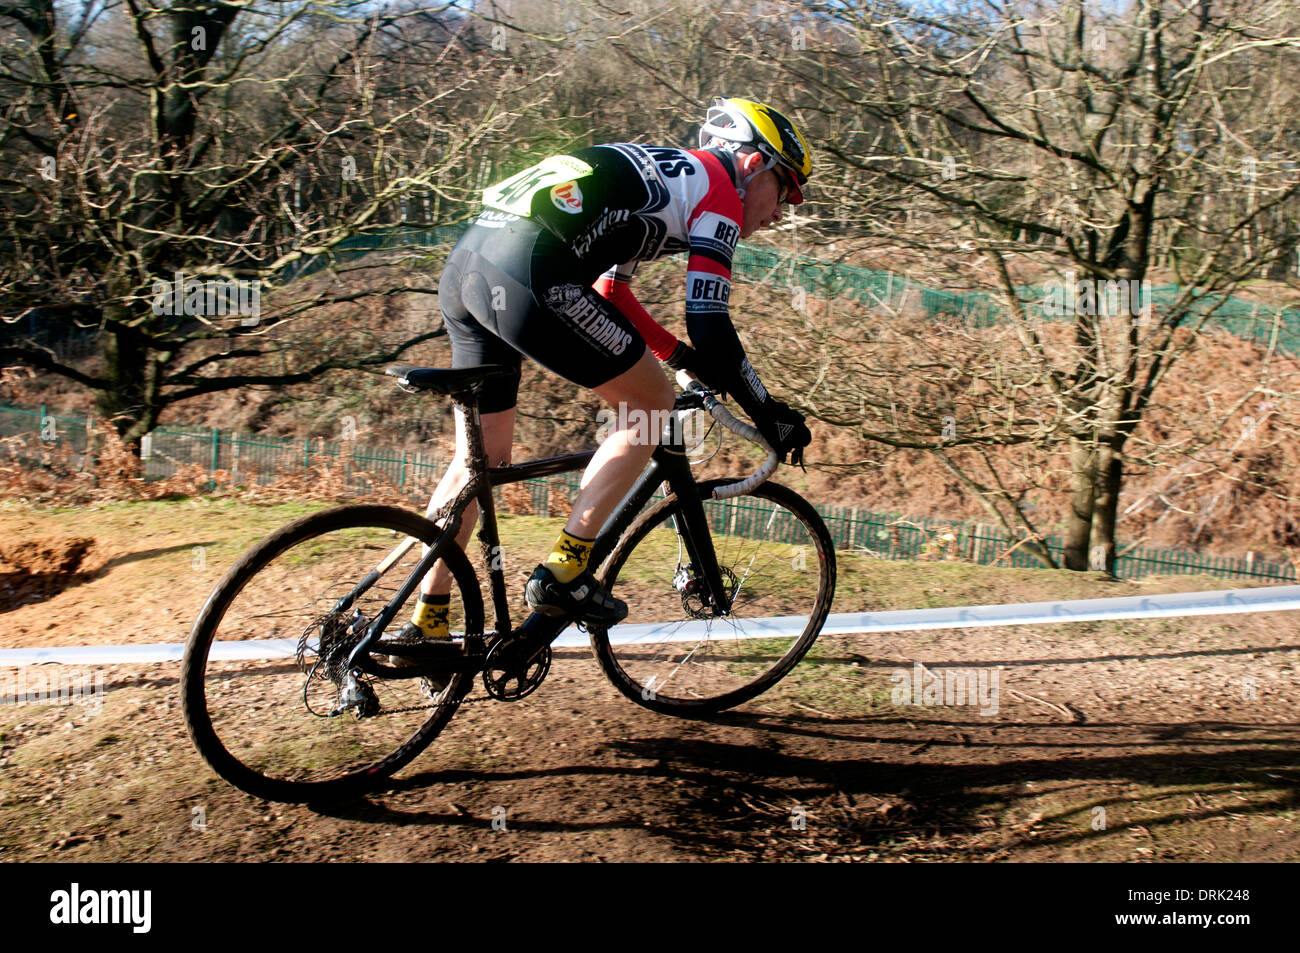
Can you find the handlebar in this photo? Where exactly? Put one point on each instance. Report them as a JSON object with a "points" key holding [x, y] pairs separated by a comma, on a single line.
{"points": [[725, 417]]}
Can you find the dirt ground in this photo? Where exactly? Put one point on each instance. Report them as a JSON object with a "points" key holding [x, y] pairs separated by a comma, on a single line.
{"points": [[1157, 740]]}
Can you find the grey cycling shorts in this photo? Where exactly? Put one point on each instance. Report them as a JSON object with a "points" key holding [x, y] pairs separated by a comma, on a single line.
{"points": [[511, 290]]}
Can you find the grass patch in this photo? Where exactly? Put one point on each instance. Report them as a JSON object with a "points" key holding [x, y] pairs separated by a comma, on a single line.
{"points": [[228, 527]]}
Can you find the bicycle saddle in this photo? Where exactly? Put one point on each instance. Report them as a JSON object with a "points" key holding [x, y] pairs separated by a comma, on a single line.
{"points": [[442, 380]]}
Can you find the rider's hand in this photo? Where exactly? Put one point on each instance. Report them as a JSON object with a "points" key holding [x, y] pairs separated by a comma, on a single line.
{"points": [[784, 430], [686, 358]]}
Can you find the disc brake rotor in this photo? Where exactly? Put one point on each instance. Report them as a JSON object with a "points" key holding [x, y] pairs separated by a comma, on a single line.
{"points": [[695, 596]]}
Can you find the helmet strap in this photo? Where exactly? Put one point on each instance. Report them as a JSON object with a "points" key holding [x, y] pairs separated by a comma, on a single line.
{"points": [[744, 183]]}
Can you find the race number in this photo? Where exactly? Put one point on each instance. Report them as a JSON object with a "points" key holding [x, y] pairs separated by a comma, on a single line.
{"points": [[515, 194]]}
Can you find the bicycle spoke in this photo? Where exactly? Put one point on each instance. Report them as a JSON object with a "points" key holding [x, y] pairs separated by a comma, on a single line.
{"points": [[731, 659], [305, 722]]}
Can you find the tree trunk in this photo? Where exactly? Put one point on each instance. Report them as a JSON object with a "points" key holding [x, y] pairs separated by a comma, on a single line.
{"points": [[1083, 477], [1285, 263], [1105, 511], [122, 402]]}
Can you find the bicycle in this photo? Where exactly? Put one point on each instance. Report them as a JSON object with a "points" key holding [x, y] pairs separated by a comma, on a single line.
{"points": [[285, 690]]}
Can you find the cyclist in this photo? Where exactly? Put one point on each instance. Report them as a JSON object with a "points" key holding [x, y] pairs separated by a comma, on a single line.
{"points": [[544, 271]]}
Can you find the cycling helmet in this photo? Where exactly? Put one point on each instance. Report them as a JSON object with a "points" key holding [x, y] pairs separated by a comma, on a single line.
{"points": [[735, 123]]}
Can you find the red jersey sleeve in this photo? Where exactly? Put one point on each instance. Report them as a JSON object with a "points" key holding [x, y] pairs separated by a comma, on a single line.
{"points": [[615, 287], [714, 229]]}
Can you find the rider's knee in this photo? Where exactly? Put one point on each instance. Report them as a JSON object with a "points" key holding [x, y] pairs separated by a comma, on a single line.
{"points": [[453, 480], [458, 468], [664, 396], [655, 395]]}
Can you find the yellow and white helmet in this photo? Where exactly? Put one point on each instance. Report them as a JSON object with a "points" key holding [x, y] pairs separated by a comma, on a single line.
{"points": [[742, 122]]}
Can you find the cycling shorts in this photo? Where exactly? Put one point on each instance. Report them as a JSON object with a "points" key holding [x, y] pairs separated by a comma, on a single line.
{"points": [[510, 289]]}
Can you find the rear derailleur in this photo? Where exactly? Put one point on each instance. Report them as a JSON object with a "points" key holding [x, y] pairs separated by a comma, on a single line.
{"points": [[336, 636]]}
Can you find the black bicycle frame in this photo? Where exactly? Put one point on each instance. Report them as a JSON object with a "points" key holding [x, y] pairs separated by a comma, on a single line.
{"points": [[668, 464]]}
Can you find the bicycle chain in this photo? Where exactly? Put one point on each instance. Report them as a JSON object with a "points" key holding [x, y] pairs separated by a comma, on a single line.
{"points": [[464, 701]]}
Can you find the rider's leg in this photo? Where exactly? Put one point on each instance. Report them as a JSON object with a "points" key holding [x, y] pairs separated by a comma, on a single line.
{"points": [[642, 398], [522, 288], [498, 436], [648, 398], [431, 616], [466, 299]]}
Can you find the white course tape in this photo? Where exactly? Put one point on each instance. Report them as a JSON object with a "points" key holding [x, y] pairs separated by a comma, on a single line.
{"points": [[1221, 602], [143, 654]]}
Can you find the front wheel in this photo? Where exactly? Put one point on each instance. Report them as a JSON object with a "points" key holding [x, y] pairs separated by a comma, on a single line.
{"points": [[266, 693], [672, 654]]}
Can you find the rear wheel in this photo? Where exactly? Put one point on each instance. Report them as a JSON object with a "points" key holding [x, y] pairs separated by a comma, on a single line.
{"points": [[672, 654], [264, 676]]}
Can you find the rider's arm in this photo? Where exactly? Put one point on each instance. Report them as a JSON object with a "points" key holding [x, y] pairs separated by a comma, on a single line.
{"points": [[714, 230], [615, 287]]}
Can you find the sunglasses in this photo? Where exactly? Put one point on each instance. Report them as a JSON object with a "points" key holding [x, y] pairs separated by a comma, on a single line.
{"points": [[783, 184]]}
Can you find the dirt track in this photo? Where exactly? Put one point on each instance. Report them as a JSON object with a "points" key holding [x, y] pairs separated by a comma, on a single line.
{"points": [[1161, 740]]}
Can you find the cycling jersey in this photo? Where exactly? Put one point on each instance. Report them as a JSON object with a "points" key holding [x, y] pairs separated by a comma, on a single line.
{"points": [[638, 203]]}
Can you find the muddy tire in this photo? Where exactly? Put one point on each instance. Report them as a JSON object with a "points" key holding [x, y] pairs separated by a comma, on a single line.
{"points": [[263, 665], [671, 655]]}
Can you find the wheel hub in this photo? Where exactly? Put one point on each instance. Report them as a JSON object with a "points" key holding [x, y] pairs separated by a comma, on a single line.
{"points": [[336, 636], [695, 595]]}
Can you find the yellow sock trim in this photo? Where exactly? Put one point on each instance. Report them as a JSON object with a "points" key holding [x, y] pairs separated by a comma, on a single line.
{"points": [[431, 615], [569, 557]]}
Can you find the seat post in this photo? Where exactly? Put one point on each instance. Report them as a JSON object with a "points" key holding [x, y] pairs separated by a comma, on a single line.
{"points": [[467, 401]]}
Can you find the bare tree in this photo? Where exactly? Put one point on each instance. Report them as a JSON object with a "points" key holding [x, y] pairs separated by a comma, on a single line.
{"points": [[1080, 142], [167, 169]]}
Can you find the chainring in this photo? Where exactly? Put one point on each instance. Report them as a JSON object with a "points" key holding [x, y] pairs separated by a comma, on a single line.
{"points": [[508, 677]]}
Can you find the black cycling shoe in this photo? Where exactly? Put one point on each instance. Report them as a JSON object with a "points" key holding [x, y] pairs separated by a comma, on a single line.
{"points": [[583, 598], [412, 634]]}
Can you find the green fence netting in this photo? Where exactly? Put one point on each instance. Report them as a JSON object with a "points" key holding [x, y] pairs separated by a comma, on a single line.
{"points": [[25, 432], [1253, 321], [1248, 320]]}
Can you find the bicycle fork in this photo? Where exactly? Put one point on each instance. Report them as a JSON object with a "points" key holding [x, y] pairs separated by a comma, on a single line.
{"points": [[669, 465], [699, 550]]}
